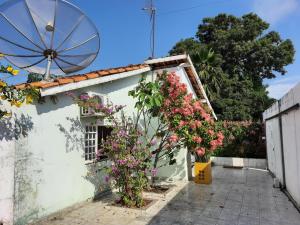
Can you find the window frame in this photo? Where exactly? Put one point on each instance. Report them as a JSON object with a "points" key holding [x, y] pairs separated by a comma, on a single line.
{"points": [[94, 145]]}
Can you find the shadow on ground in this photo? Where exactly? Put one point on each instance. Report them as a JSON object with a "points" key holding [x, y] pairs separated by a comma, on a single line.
{"points": [[236, 197]]}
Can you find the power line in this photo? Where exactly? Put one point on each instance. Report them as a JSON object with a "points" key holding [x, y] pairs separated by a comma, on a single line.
{"points": [[191, 8]]}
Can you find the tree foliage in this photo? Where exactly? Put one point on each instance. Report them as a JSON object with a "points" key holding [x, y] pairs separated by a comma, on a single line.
{"points": [[233, 55]]}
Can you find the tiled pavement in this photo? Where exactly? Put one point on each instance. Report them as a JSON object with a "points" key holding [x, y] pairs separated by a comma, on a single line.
{"points": [[236, 197]]}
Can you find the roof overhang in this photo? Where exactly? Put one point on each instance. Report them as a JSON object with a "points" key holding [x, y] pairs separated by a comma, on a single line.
{"points": [[91, 82], [70, 83]]}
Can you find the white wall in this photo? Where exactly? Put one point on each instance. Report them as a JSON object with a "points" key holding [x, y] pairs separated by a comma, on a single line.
{"points": [[273, 142], [48, 167], [7, 150], [291, 142]]}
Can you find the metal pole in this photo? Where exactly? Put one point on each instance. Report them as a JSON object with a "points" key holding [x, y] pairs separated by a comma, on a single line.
{"points": [[153, 30], [47, 75]]}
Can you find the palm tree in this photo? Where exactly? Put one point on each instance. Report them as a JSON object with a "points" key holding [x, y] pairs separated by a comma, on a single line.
{"points": [[209, 72]]}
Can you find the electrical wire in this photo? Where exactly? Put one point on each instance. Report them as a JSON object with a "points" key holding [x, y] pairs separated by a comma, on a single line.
{"points": [[192, 7]]}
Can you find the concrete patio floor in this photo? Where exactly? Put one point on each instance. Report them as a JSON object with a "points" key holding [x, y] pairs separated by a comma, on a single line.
{"points": [[236, 197]]}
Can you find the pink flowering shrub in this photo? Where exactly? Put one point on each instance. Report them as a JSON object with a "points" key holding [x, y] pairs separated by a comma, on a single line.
{"points": [[130, 163], [128, 155], [188, 119], [180, 121]]}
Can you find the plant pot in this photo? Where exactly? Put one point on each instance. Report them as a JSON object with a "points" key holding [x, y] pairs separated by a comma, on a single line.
{"points": [[202, 173]]}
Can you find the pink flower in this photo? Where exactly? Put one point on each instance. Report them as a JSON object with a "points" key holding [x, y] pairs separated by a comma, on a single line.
{"points": [[182, 123], [198, 123], [187, 99], [154, 172], [167, 103], [193, 126], [106, 178], [84, 97], [211, 132], [200, 151], [198, 106], [197, 139], [173, 138]]}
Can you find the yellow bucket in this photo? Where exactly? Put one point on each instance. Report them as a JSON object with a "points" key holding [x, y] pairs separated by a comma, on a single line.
{"points": [[202, 173]]}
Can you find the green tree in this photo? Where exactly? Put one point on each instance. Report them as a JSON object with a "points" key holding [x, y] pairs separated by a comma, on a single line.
{"points": [[244, 54]]}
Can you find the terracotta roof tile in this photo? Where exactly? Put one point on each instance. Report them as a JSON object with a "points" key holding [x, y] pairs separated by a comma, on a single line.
{"points": [[81, 77], [66, 80], [113, 71], [92, 75], [49, 84], [78, 78], [103, 72], [121, 70], [36, 84]]}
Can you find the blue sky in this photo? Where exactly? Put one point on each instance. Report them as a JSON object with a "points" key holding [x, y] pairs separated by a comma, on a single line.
{"points": [[125, 28]]}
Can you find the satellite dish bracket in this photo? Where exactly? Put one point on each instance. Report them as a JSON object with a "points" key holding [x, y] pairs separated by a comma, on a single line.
{"points": [[50, 55]]}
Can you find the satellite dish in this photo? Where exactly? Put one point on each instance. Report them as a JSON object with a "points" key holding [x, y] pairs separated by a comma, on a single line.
{"points": [[47, 36]]}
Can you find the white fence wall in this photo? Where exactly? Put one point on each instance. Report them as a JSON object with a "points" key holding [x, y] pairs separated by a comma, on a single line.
{"points": [[284, 136]]}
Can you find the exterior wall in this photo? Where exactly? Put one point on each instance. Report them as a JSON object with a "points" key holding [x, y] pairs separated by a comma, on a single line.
{"points": [[240, 162], [291, 142], [7, 149], [273, 142], [47, 171]]}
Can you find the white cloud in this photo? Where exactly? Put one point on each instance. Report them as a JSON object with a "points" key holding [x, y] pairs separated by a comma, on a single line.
{"points": [[274, 10]]}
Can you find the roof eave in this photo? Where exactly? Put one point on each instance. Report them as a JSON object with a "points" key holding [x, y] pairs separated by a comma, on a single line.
{"points": [[201, 86], [86, 83]]}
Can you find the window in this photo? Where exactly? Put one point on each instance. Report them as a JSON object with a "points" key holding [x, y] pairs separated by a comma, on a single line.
{"points": [[90, 142], [94, 138]]}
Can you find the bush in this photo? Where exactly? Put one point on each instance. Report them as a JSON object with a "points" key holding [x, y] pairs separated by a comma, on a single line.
{"points": [[242, 139]]}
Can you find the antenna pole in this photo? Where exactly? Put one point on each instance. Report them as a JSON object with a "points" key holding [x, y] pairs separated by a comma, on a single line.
{"points": [[153, 31], [152, 11], [47, 76]]}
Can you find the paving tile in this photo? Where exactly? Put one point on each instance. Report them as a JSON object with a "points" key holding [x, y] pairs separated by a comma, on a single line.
{"points": [[227, 222], [236, 197], [250, 211], [212, 212], [246, 220], [229, 214]]}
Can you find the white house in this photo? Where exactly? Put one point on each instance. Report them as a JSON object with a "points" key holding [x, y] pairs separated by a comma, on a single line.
{"points": [[46, 148]]}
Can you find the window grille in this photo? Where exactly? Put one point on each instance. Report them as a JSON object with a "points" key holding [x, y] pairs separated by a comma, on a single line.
{"points": [[90, 142], [94, 139]]}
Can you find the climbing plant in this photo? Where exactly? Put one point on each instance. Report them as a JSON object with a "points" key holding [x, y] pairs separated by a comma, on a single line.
{"points": [[11, 94]]}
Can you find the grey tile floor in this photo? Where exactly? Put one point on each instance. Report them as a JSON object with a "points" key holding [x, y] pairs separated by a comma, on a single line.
{"points": [[236, 197]]}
